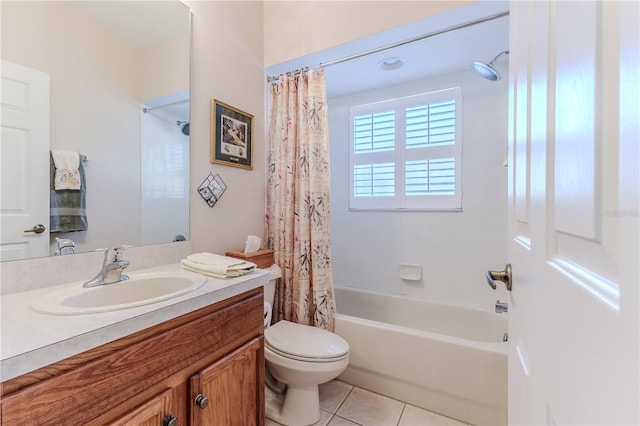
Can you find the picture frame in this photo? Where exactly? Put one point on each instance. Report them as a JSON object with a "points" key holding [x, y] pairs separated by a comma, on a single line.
{"points": [[231, 136], [212, 188]]}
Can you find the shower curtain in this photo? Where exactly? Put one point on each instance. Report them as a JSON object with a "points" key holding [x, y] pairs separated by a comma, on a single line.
{"points": [[297, 212]]}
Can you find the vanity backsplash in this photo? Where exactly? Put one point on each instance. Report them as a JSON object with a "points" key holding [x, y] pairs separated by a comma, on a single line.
{"points": [[31, 274]]}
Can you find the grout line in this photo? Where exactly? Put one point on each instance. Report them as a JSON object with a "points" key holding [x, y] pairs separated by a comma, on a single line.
{"points": [[349, 420], [345, 398], [404, 407], [330, 418]]}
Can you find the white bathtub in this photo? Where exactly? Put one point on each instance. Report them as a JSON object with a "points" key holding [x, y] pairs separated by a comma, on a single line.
{"points": [[444, 358]]}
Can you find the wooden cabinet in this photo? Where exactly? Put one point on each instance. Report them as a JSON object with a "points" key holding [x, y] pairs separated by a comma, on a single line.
{"points": [[237, 374], [160, 410], [154, 375]]}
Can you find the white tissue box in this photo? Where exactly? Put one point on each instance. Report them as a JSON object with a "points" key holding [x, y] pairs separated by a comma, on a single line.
{"points": [[263, 258]]}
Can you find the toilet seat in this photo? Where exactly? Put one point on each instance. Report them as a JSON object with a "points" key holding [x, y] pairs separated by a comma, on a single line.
{"points": [[305, 343]]}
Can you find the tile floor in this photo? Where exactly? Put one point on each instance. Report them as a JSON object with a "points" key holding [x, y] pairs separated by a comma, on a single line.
{"points": [[344, 405]]}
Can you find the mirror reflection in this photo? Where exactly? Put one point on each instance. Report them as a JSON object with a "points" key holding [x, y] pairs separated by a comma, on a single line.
{"points": [[109, 81]]}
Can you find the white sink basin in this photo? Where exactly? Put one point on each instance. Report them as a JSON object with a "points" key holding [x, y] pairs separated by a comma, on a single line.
{"points": [[139, 289]]}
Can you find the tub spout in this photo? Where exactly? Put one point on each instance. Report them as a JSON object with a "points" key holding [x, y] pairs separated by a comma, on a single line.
{"points": [[501, 307]]}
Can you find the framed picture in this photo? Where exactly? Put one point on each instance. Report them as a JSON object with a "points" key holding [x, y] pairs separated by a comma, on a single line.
{"points": [[231, 135], [212, 188]]}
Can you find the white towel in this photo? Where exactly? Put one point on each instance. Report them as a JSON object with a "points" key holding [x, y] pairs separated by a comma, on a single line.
{"points": [[67, 175], [217, 266]]}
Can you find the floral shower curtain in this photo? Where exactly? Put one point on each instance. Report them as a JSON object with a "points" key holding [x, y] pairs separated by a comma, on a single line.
{"points": [[297, 215]]}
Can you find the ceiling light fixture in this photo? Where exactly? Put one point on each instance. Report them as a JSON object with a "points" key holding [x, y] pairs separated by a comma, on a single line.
{"points": [[391, 63]]}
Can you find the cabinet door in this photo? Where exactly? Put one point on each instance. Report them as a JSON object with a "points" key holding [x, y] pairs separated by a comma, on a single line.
{"points": [[159, 411], [230, 392]]}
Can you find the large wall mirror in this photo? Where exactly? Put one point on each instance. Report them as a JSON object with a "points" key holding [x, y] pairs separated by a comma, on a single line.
{"points": [[117, 92]]}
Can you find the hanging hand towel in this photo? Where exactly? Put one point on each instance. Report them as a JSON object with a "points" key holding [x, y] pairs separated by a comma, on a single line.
{"points": [[67, 208], [67, 174], [216, 265]]}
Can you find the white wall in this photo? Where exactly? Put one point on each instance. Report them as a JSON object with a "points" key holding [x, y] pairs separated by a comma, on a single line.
{"points": [[296, 28], [164, 68], [454, 249], [227, 65]]}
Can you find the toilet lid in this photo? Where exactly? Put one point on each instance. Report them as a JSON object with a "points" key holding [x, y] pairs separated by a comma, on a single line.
{"points": [[303, 341]]}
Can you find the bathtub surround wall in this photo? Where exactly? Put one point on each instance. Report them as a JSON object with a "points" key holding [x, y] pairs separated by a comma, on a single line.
{"points": [[453, 248], [164, 178]]}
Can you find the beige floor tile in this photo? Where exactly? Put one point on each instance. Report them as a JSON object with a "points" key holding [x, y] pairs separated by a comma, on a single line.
{"points": [[414, 416], [339, 421], [269, 422], [325, 416], [332, 394], [368, 408]]}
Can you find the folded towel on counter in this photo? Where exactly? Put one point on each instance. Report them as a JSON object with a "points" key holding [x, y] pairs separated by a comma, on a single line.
{"points": [[217, 266], [67, 174], [67, 208]]}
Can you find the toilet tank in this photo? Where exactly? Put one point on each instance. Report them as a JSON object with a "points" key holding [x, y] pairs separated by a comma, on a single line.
{"points": [[270, 288]]}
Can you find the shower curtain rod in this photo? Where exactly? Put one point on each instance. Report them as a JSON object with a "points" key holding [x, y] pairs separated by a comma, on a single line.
{"points": [[146, 110], [271, 79]]}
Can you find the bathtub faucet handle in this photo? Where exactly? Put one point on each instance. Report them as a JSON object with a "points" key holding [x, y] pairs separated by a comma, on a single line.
{"points": [[504, 276]]}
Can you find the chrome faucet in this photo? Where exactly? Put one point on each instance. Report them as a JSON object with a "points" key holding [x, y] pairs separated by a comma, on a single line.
{"points": [[501, 307], [65, 246], [112, 266]]}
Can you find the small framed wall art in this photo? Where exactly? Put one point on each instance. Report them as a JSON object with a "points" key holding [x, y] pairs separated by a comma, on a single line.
{"points": [[231, 135], [211, 189]]}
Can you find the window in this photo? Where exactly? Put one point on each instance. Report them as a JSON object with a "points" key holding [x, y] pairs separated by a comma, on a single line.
{"points": [[405, 153]]}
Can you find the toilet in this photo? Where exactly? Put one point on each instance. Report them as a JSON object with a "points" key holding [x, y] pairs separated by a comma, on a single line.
{"points": [[299, 358]]}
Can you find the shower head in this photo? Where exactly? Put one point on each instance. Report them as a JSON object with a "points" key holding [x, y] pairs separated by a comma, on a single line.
{"points": [[185, 127], [487, 70]]}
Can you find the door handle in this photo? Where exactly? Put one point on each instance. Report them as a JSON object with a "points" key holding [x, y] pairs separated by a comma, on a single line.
{"points": [[504, 276], [38, 229]]}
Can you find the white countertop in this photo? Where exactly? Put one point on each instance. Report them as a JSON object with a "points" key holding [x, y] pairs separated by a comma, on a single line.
{"points": [[30, 340]]}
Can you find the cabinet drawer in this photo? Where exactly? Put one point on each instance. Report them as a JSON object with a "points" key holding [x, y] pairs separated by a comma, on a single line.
{"points": [[121, 377]]}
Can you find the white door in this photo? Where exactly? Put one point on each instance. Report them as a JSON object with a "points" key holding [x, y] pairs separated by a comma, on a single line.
{"points": [[24, 158], [574, 213]]}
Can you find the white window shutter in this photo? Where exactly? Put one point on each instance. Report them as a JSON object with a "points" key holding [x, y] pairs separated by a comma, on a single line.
{"points": [[406, 153]]}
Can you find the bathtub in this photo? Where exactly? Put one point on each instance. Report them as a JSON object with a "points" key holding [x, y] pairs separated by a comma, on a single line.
{"points": [[444, 358]]}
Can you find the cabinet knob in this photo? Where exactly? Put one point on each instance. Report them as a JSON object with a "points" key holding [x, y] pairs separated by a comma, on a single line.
{"points": [[169, 420], [201, 401]]}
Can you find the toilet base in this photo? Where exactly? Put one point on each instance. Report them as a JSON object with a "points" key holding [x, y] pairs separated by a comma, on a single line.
{"points": [[298, 406]]}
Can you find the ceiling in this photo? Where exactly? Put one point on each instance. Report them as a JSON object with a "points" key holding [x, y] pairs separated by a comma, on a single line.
{"points": [[123, 19], [449, 52]]}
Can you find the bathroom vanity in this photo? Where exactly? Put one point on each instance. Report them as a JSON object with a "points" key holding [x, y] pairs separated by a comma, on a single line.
{"points": [[203, 366]]}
